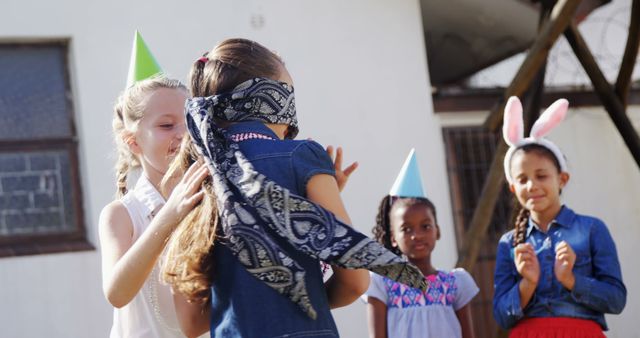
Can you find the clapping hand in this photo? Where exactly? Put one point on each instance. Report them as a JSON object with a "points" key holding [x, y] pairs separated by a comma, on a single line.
{"points": [[563, 267], [527, 263]]}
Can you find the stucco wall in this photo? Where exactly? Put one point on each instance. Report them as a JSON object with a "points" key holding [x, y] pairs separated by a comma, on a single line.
{"points": [[361, 82]]}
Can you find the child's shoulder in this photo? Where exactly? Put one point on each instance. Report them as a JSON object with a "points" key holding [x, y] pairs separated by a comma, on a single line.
{"points": [[306, 145], [115, 215], [293, 146], [572, 217], [507, 237], [311, 154], [459, 274]]}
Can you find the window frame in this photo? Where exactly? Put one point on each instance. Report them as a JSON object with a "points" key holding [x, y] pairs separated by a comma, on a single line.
{"points": [[76, 240]]}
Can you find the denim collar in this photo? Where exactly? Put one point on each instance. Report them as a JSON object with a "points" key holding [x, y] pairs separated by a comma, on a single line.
{"points": [[251, 126], [563, 218]]}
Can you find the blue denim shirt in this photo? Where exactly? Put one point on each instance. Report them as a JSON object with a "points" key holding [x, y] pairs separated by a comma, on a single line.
{"points": [[598, 285], [243, 306]]}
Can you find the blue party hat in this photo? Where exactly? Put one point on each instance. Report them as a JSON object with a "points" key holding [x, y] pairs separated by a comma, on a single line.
{"points": [[409, 182]]}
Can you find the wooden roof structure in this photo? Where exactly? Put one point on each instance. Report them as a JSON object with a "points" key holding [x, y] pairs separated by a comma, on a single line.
{"points": [[556, 17]]}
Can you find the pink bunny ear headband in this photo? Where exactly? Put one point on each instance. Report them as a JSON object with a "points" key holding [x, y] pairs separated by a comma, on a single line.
{"points": [[513, 131]]}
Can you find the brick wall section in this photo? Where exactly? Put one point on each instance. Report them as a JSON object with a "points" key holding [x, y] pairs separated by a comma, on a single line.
{"points": [[31, 196]]}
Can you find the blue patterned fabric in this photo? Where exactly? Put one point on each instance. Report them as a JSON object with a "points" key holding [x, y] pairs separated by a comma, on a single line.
{"points": [[255, 211]]}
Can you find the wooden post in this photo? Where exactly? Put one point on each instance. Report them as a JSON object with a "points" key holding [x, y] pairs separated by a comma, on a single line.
{"points": [[561, 16], [605, 91], [630, 53]]}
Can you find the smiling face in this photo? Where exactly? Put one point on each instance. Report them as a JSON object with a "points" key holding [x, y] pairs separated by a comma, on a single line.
{"points": [[414, 230], [537, 182], [159, 132]]}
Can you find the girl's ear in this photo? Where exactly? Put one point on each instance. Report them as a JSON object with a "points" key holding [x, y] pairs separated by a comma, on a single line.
{"points": [[129, 139], [513, 129], [564, 179], [512, 188], [438, 232], [551, 117]]}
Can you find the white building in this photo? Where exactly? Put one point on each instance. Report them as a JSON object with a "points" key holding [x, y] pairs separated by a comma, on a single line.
{"points": [[360, 71]]}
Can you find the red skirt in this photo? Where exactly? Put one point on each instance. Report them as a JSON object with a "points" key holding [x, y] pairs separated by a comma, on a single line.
{"points": [[556, 327]]}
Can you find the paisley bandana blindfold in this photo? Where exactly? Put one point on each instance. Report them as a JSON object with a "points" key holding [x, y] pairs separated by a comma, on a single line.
{"points": [[255, 211]]}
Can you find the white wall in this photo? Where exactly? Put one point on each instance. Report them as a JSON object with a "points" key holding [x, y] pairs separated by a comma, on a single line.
{"points": [[361, 81], [605, 182]]}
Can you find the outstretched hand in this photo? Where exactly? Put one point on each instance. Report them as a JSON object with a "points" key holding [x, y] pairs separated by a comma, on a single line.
{"points": [[342, 175], [187, 193]]}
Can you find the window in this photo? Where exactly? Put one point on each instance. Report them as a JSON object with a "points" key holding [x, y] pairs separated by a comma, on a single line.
{"points": [[469, 152], [40, 194]]}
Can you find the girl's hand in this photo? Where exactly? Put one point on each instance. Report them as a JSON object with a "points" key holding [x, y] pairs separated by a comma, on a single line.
{"points": [[563, 267], [342, 176], [527, 263], [186, 194]]}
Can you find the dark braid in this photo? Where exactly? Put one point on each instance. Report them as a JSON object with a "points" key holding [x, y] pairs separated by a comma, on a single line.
{"points": [[382, 231], [521, 226]]}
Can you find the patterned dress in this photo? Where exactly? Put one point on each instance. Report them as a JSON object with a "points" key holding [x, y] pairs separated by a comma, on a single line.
{"points": [[413, 313]]}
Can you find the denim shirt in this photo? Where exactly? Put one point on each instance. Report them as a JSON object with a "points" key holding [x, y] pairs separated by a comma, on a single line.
{"points": [[598, 285], [243, 306]]}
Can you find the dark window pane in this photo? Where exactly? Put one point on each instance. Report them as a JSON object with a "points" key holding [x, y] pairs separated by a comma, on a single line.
{"points": [[37, 197], [470, 151], [33, 92]]}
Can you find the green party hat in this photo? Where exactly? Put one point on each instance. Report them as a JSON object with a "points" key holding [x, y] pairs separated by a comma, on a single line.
{"points": [[142, 65]]}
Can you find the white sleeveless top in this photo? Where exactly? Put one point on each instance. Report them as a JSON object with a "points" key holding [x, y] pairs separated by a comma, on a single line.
{"points": [[151, 313]]}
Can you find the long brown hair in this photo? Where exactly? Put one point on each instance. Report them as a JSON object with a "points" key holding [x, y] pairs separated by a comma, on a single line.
{"points": [[189, 257], [189, 265], [230, 63]]}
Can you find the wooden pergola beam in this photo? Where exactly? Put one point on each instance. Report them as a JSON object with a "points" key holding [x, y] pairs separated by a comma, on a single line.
{"points": [[623, 82], [605, 91], [560, 17]]}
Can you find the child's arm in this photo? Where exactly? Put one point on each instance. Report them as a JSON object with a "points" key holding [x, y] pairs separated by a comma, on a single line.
{"points": [[528, 267], [345, 285], [377, 318], [127, 264], [193, 318], [466, 290], [602, 290], [464, 317], [507, 302]]}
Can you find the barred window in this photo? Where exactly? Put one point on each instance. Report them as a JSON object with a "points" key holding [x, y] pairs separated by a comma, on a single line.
{"points": [[469, 152], [40, 193]]}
